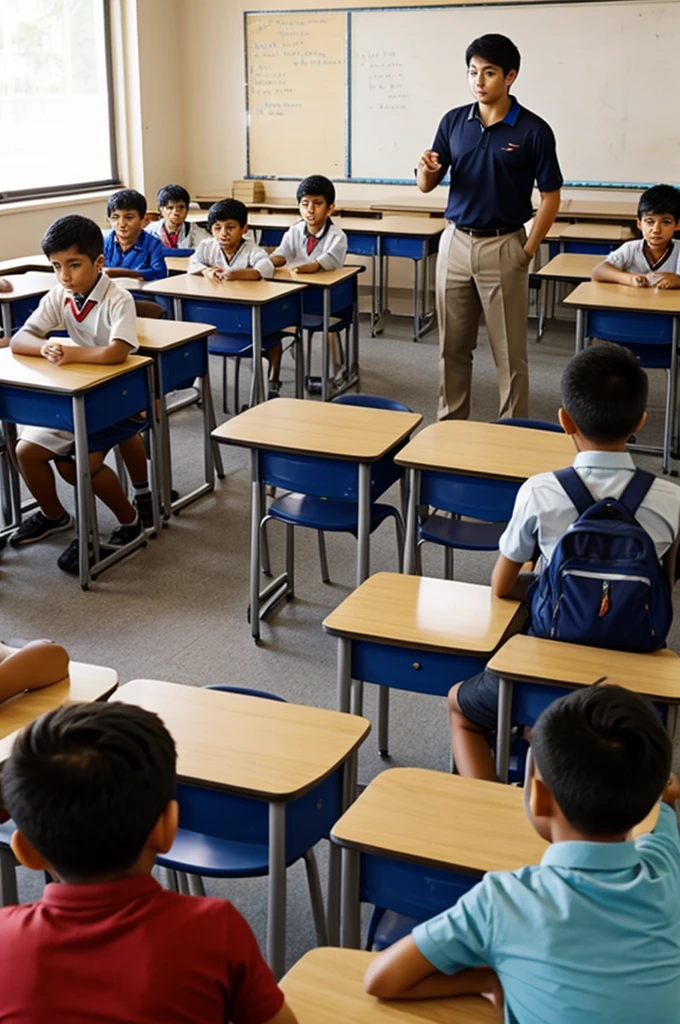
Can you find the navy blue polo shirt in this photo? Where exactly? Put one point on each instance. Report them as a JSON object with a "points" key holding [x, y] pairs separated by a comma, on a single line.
{"points": [[493, 169]]}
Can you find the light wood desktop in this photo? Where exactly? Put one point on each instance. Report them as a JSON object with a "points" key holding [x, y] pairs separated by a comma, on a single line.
{"points": [[570, 266], [598, 295], [262, 749], [326, 987], [24, 286], [586, 232], [37, 373], [21, 264], [622, 210], [177, 264]]}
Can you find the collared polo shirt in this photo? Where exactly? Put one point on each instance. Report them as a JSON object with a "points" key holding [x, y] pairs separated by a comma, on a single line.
{"points": [[329, 252], [632, 257], [146, 256], [128, 952], [592, 934], [493, 170], [249, 255], [107, 315], [543, 511], [188, 236]]}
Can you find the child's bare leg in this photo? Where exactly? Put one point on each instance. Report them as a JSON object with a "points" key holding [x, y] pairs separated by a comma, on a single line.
{"points": [[105, 485], [471, 752], [274, 356], [39, 663], [334, 349], [34, 463], [134, 457]]}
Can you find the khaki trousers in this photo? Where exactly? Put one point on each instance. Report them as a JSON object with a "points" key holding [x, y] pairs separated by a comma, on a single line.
{"points": [[486, 276]]}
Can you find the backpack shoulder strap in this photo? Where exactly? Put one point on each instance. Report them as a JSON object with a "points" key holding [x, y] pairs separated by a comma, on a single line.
{"points": [[575, 489], [635, 492]]}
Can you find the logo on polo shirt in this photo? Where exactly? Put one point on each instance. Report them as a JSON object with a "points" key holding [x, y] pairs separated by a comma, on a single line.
{"points": [[511, 147]]}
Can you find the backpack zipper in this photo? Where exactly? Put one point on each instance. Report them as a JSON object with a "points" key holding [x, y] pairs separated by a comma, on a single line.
{"points": [[612, 576]]}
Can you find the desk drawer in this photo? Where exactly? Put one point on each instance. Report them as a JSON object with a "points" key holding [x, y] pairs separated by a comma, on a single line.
{"points": [[404, 668], [181, 365]]}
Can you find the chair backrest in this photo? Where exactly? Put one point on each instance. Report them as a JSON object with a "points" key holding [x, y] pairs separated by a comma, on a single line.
{"points": [[151, 310], [373, 402], [519, 421], [630, 329]]}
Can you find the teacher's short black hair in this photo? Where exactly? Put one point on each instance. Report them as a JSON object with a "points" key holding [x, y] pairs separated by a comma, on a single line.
{"points": [[659, 200], [604, 390], [495, 49]]}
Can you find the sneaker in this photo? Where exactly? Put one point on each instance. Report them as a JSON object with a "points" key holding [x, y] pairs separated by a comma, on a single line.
{"points": [[274, 389], [144, 506], [124, 533], [39, 526], [68, 559]]}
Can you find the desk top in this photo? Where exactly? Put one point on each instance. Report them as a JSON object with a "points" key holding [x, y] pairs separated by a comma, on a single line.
{"points": [[339, 431], [443, 820], [412, 227], [487, 449], [596, 232], [570, 266], [621, 297], [195, 286], [260, 748], [84, 683], [20, 264], [415, 611], [596, 209], [24, 286], [656, 675], [177, 264], [161, 335], [321, 279], [326, 987], [40, 374]]}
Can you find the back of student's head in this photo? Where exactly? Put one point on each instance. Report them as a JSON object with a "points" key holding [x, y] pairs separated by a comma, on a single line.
{"points": [[74, 231], [228, 209], [604, 390], [126, 199], [172, 194], [86, 784], [660, 199], [494, 49], [605, 757], [316, 185]]}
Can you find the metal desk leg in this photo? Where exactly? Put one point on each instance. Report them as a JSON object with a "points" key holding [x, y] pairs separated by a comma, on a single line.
{"points": [[416, 300], [255, 517], [325, 354], [351, 917], [155, 452], [344, 673], [672, 719], [164, 436], [276, 917], [333, 897], [6, 319], [580, 330], [412, 521], [383, 720], [210, 423], [83, 488], [177, 309], [257, 384], [364, 524], [503, 729]]}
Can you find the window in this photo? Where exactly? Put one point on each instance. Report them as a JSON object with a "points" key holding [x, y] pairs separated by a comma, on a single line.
{"points": [[56, 112]]}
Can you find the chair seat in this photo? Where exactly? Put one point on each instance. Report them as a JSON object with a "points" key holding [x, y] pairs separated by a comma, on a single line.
{"points": [[461, 533], [332, 514], [238, 344], [200, 854]]}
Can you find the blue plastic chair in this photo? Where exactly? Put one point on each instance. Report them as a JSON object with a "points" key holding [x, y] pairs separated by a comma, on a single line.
{"points": [[222, 835], [313, 500]]}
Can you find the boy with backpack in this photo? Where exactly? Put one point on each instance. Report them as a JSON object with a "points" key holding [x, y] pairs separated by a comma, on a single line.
{"points": [[607, 569]]}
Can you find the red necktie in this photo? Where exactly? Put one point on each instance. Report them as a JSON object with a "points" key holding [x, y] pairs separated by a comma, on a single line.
{"points": [[311, 242]]}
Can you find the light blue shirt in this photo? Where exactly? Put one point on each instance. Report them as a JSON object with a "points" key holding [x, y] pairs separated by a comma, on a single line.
{"points": [[590, 936]]}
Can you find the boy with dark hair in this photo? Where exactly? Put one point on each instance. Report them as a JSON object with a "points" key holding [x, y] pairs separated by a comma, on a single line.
{"points": [[315, 242], [592, 933], [99, 318], [604, 394], [129, 250], [172, 230], [91, 789], [654, 259]]}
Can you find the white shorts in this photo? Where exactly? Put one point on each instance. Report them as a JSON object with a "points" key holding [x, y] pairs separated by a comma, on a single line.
{"points": [[59, 442]]}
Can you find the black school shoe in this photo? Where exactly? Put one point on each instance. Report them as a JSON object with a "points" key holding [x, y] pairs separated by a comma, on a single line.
{"points": [[144, 506], [124, 533], [38, 526], [68, 559]]}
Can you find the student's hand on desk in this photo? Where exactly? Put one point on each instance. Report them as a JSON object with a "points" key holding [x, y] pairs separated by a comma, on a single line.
{"points": [[217, 274], [639, 281], [306, 268], [59, 354], [667, 281], [5, 285]]}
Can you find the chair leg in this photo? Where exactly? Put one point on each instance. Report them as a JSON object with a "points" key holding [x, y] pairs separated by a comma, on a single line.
{"points": [[265, 562], [196, 886], [383, 720], [668, 425], [237, 382], [316, 898], [448, 563], [225, 404], [171, 881], [183, 883], [8, 879], [419, 558], [323, 559], [290, 559], [399, 530]]}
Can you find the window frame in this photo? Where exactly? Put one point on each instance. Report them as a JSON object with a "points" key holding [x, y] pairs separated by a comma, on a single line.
{"points": [[83, 187]]}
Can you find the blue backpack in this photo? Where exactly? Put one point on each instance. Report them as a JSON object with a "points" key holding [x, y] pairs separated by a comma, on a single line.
{"points": [[605, 585]]}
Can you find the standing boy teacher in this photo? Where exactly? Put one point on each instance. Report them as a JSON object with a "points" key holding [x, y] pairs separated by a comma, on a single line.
{"points": [[496, 150]]}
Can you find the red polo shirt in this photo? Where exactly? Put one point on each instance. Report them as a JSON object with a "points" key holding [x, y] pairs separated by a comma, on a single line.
{"points": [[130, 952]]}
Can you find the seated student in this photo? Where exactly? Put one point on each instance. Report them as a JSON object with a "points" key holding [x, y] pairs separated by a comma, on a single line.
{"points": [[604, 394], [91, 789], [654, 259], [100, 318], [129, 250], [173, 230], [230, 256], [593, 932], [313, 243]]}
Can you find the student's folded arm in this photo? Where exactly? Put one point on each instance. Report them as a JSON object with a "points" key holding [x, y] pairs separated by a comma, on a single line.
{"points": [[278, 259], [670, 561], [607, 273], [116, 351], [334, 257], [307, 268], [508, 580], [27, 343], [393, 974], [247, 274]]}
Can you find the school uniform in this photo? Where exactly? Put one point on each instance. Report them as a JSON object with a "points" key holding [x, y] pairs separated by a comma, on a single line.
{"points": [[107, 314], [248, 256], [633, 259], [592, 933], [188, 236], [328, 248], [146, 256]]}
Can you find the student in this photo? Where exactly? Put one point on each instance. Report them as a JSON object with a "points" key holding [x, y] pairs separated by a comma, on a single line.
{"points": [[172, 229], [654, 259], [604, 394], [129, 250], [314, 243], [593, 932], [91, 789], [230, 256], [100, 318]]}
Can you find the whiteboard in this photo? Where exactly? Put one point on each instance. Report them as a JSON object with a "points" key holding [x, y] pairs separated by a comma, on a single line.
{"points": [[594, 71]]}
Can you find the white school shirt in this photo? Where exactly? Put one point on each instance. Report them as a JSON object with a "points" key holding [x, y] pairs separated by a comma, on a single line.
{"points": [[108, 314], [543, 511], [189, 237], [248, 255], [329, 252], [631, 258]]}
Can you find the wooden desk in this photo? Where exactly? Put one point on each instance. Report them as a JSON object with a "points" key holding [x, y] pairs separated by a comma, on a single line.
{"points": [[326, 987], [330, 292], [355, 436], [78, 397], [621, 210], [177, 264], [267, 306], [24, 286], [265, 750], [436, 820], [570, 266], [20, 264], [586, 232], [414, 633]]}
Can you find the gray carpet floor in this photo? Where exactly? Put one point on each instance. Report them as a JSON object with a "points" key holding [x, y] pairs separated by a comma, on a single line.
{"points": [[176, 610]]}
